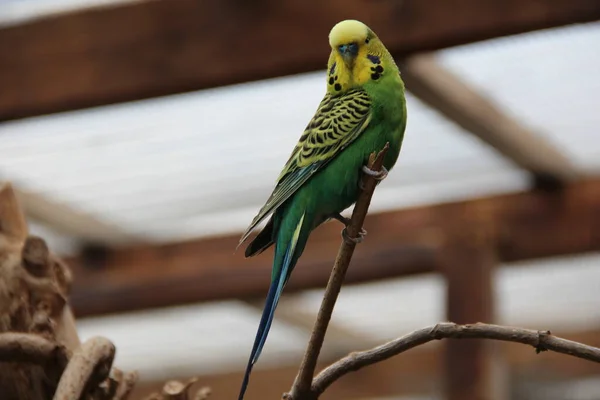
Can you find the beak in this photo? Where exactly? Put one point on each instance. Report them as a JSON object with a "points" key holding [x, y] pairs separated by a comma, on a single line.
{"points": [[348, 51]]}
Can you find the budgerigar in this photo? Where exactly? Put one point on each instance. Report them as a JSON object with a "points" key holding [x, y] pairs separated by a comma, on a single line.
{"points": [[364, 108]]}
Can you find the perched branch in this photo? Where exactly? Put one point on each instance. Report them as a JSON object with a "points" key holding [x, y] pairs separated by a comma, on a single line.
{"points": [[301, 388], [89, 366], [540, 340], [30, 348]]}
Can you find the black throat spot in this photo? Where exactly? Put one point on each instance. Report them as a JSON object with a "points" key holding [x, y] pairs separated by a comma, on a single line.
{"points": [[332, 69]]}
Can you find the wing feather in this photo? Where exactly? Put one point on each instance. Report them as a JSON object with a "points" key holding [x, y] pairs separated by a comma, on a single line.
{"points": [[338, 121]]}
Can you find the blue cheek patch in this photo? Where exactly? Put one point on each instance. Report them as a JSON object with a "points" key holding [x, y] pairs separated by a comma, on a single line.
{"points": [[374, 59]]}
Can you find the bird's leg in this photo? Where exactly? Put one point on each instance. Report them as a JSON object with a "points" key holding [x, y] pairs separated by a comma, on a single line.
{"points": [[346, 222], [378, 175], [341, 218]]}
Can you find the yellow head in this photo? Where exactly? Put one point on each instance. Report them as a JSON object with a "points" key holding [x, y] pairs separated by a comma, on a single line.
{"points": [[357, 57]]}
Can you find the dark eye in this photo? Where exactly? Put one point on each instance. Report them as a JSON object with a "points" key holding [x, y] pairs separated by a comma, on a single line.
{"points": [[367, 40]]}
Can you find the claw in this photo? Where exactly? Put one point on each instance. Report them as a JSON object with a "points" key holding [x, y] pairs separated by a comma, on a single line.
{"points": [[346, 222], [356, 240], [378, 175]]}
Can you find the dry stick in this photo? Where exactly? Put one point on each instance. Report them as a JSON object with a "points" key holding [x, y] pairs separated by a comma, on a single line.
{"points": [[89, 366], [125, 383], [176, 390], [301, 388], [541, 340]]}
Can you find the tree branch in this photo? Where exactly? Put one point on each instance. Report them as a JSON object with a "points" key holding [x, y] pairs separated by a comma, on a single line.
{"points": [[177, 390], [124, 383], [301, 388], [540, 340], [89, 366]]}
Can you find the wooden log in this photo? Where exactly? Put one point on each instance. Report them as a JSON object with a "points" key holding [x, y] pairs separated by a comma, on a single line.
{"points": [[524, 226], [155, 48], [33, 288], [457, 101], [37, 325], [467, 261]]}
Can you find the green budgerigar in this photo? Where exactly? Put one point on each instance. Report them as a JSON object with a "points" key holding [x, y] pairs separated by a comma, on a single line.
{"points": [[364, 108]]}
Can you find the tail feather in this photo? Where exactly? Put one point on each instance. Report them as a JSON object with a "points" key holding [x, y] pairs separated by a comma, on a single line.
{"points": [[262, 241], [278, 281]]}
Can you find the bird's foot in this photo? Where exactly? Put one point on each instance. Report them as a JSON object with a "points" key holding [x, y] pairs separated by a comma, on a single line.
{"points": [[356, 240], [377, 175], [345, 236]]}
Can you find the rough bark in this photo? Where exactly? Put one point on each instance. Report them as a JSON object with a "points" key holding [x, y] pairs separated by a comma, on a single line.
{"points": [[41, 356]]}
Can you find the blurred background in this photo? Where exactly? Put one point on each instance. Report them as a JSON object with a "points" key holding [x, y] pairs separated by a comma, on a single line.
{"points": [[143, 136]]}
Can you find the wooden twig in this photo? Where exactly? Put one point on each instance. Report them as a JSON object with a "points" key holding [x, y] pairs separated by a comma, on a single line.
{"points": [[177, 390], [540, 340], [203, 393], [125, 381], [89, 366], [301, 388]]}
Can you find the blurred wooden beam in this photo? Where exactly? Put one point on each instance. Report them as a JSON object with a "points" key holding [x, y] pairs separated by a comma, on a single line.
{"points": [[467, 261], [439, 88], [155, 48], [339, 339], [416, 372], [68, 221], [524, 226], [147, 276]]}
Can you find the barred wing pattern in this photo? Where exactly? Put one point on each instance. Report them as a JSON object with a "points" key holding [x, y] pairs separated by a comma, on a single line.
{"points": [[339, 120]]}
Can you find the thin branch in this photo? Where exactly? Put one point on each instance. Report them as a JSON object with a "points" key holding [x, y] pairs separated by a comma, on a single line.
{"points": [[177, 390], [89, 366], [301, 388], [125, 381], [30, 348], [540, 340]]}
